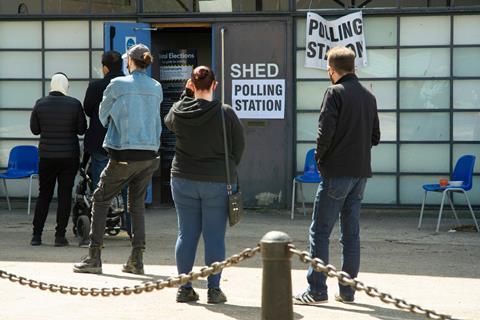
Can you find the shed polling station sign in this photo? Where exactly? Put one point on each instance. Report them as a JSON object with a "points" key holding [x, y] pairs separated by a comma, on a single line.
{"points": [[323, 34], [257, 93]]}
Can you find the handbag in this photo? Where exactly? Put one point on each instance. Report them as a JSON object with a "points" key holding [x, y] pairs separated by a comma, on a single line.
{"points": [[235, 200]]}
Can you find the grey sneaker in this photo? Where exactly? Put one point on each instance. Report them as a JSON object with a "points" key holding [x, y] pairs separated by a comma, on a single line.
{"points": [[186, 295], [308, 298], [344, 299], [216, 295]]}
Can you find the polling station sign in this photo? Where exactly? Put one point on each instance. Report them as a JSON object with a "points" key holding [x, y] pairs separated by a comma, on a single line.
{"points": [[257, 93], [322, 34]]}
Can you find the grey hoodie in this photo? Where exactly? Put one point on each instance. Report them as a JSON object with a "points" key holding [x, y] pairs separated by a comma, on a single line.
{"points": [[199, 150]]}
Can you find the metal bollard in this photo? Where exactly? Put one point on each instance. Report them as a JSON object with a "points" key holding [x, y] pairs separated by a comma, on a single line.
{"points": [[277, 278]]}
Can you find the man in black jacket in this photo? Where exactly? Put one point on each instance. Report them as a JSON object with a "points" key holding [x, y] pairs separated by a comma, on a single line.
{"points": [[348, 127], [111, 68], [58, 119]]}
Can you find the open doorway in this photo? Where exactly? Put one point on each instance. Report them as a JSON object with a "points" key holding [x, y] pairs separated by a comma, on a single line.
{"points": [[177, 50]]}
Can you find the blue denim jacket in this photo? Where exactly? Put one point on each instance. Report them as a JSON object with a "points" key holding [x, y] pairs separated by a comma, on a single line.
{"points": [[130, 110]]}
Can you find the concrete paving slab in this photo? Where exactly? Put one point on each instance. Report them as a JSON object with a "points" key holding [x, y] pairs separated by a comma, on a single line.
{"points": [[441, 272]]}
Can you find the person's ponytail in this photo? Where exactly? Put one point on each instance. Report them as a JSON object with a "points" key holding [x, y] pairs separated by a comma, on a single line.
{"points": [[202, 77]]}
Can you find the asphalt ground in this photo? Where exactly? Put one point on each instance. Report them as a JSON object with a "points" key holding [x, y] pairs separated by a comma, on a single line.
{"points": [[436, 271]]}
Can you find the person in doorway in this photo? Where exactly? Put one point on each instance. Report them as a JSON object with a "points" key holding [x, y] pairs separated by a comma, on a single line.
{"points": [[58, 119], [348, 127], [111, 68], [130, 110], [198, 176]]}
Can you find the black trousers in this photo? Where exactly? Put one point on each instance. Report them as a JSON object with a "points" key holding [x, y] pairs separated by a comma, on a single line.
{"points": [[52, 170], [117, 174]]}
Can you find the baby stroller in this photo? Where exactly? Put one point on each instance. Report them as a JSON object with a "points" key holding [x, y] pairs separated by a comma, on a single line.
{"points": [[82, 207]]}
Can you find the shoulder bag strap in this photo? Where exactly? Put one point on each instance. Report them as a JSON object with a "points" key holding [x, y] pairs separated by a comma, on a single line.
{"points": [[225, 145]]}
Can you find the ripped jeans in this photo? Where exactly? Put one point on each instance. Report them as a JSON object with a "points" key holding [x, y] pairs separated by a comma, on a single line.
{"points": [[336, 197]]}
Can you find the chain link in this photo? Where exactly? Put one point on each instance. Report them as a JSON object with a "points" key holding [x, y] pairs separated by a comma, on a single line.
{"points": [[216, 267], [181, 279], [345, 279]]}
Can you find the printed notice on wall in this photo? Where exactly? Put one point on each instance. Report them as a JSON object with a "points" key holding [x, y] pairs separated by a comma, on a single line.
{"points": [[257, 91], [259, 99], [323, 34]]}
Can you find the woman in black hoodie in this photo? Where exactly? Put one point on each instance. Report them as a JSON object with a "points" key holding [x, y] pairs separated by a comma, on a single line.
{"points": [[198, 176]]}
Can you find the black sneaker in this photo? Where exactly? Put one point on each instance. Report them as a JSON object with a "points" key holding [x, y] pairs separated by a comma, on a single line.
{"points": [[61, 242], [36, 240], [216, 295], [186, 295], [344, 299], [309, 298]]}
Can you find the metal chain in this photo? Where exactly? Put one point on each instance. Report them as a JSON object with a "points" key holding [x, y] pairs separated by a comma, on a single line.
{"points": [[345, 279], [181, 279]]}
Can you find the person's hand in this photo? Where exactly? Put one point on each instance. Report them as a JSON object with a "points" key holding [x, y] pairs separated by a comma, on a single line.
{"points": [[189, 85]]}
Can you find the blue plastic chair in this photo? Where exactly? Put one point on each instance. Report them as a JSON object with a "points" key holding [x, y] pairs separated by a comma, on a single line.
{"points": [[463, 172], [310, 175], [22, 163]]}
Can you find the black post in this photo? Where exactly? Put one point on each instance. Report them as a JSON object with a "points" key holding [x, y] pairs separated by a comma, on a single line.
{"points": [[277, 278]]}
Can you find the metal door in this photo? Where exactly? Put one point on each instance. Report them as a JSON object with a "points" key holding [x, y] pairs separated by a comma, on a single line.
{"points": [[256, 53]]}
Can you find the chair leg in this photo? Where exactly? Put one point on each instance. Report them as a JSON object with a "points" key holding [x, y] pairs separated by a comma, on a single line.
{"points": [[453, 208], [303, 198], [292, 214], [6, 195], [421, 211], [471, 211], [441, 210], [29, 194]]}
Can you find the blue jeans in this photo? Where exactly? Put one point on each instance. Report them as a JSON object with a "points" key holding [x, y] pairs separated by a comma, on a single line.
{"points": [[202, 208], [98, 164], [339, 196]]}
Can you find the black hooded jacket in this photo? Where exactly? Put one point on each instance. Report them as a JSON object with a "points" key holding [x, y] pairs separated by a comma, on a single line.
{"points": [[199, 150]]}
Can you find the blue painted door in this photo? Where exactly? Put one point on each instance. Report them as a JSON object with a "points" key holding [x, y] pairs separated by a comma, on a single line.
{"points": [[120, 36]]}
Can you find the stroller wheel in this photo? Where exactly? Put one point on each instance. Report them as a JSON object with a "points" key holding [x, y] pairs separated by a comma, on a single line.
{"points": [[83, 228]]}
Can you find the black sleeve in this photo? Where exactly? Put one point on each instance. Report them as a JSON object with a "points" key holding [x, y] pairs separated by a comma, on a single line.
{"points": [[327, 124], [376, 128], [34, 123], [169, 120], [238, 135], [81, 120], [90, 102], [187, 95]]}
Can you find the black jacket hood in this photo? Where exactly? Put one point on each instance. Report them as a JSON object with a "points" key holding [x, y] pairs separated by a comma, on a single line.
{"points": [[193, 112]]}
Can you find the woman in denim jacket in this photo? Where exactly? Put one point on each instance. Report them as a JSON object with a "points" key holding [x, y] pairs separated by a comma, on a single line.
{"points": [[130, 110], [198, 179]]}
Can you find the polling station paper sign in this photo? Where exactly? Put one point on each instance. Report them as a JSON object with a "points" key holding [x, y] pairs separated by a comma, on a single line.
{"points": [[323, 34], [259, 98]]}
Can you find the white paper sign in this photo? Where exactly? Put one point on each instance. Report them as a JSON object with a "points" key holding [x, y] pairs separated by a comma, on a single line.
{"points": [[259, 99], [173, 73], [323, 34]]}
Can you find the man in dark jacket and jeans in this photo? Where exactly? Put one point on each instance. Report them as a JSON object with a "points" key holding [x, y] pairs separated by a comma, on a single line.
{"points": [[348, 127], [111, 68], [58, 119]]}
